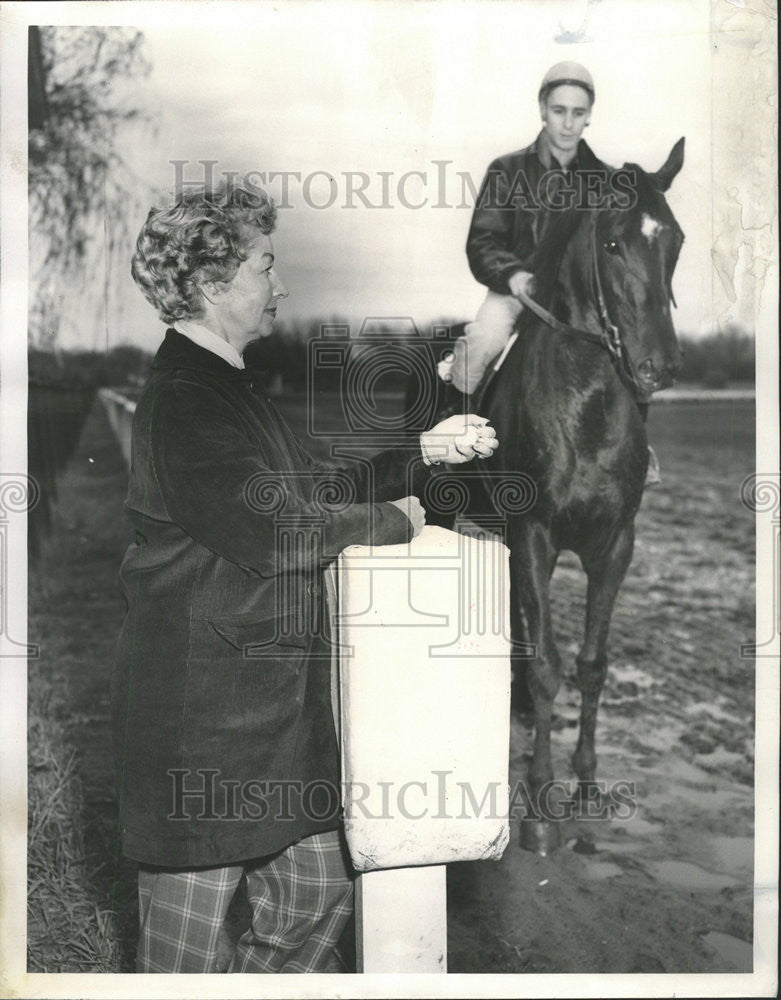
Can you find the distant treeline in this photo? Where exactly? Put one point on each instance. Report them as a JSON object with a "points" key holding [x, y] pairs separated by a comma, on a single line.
{"points": [[124, 365], [290, 354], [719, 359]]}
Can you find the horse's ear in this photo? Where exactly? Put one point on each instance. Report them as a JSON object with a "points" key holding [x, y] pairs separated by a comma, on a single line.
{"points": [[665, 175]]}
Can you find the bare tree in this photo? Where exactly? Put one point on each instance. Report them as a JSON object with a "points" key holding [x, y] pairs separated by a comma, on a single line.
{"points": [[79, 184]]}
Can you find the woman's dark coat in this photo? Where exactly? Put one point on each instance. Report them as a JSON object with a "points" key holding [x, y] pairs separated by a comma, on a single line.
{"points": [[221, 683]]}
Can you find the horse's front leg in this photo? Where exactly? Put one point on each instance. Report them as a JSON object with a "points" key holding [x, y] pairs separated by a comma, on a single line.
{"points": [[532, 558], [605, 575]]}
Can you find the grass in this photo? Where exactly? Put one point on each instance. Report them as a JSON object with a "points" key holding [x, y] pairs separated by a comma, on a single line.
{"points": [[81, 903], [67, 930]]}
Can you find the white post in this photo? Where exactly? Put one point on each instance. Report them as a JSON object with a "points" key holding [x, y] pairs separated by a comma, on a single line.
{"points": [[424, 693], [401, 920]]}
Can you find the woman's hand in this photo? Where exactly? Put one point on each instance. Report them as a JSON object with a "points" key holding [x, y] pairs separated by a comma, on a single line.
{"points": [[458, 439], [411, 508]]}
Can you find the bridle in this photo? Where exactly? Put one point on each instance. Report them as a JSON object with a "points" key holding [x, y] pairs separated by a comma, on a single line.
{"points": [[609, 338]]}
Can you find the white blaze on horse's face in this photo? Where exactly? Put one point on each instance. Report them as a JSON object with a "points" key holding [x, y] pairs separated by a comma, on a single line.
{"points": [[650, 227]]}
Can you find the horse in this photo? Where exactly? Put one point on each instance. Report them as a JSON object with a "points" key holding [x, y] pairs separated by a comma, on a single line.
{"points": [[568, 404]]}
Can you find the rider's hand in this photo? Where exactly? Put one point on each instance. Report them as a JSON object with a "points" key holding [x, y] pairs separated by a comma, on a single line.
{"points": [[410, 507], [458, 439], [521, 281]]}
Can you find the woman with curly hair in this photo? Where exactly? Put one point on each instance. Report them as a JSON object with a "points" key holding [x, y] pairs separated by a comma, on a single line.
{"points": [[226, 752]]}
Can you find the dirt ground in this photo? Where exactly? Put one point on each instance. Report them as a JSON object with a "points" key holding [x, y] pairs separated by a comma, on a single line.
{"points": [[669, 890]]}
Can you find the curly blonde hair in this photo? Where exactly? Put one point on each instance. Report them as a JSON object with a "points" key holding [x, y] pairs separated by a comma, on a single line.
{"points": [[204, 236]]}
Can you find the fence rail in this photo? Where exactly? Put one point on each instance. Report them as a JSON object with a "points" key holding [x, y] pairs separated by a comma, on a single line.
{"points": [[120, 412]]}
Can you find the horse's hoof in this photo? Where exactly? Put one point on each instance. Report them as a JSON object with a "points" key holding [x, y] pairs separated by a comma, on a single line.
{"points": [[540, 835]]}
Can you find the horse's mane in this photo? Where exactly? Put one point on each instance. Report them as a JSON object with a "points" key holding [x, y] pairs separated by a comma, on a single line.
{"points": [[558, 232]]}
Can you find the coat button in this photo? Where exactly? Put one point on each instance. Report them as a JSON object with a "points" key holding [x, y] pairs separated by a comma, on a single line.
{"points": [[312, 589]]}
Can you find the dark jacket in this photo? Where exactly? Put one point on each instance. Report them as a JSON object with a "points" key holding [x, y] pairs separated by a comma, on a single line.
{"points": [[221, 682], [511, 211]]}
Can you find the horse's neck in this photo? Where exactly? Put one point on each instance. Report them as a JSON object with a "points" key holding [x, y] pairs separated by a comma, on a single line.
{"points": [[573, 296], [569, 369], [553, 358]]}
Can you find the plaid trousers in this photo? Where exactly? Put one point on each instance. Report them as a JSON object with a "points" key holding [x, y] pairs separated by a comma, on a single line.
{"points": [[301, 900]]}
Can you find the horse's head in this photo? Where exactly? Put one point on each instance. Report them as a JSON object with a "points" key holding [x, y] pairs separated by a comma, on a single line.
{"points": [[636, 249]]}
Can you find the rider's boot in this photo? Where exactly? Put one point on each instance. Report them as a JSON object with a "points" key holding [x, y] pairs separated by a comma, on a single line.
{"points": [[453, 400]]}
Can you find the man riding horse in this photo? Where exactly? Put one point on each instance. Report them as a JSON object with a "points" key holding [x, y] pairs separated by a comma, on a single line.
{"points": [[520, 194]]}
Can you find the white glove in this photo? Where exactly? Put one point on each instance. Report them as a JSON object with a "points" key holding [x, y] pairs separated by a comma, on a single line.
{"points": [[458, 439], [410, 507], [521, 281]]}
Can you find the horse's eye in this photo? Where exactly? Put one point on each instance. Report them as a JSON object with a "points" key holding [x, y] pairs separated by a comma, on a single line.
{"points": [[611, 246]]}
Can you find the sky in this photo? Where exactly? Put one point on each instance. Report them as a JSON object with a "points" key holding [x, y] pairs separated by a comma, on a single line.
{"points": [[404, 105]]}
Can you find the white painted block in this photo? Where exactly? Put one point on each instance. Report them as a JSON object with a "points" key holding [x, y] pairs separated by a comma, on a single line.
{"points": [[425, 700]]}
